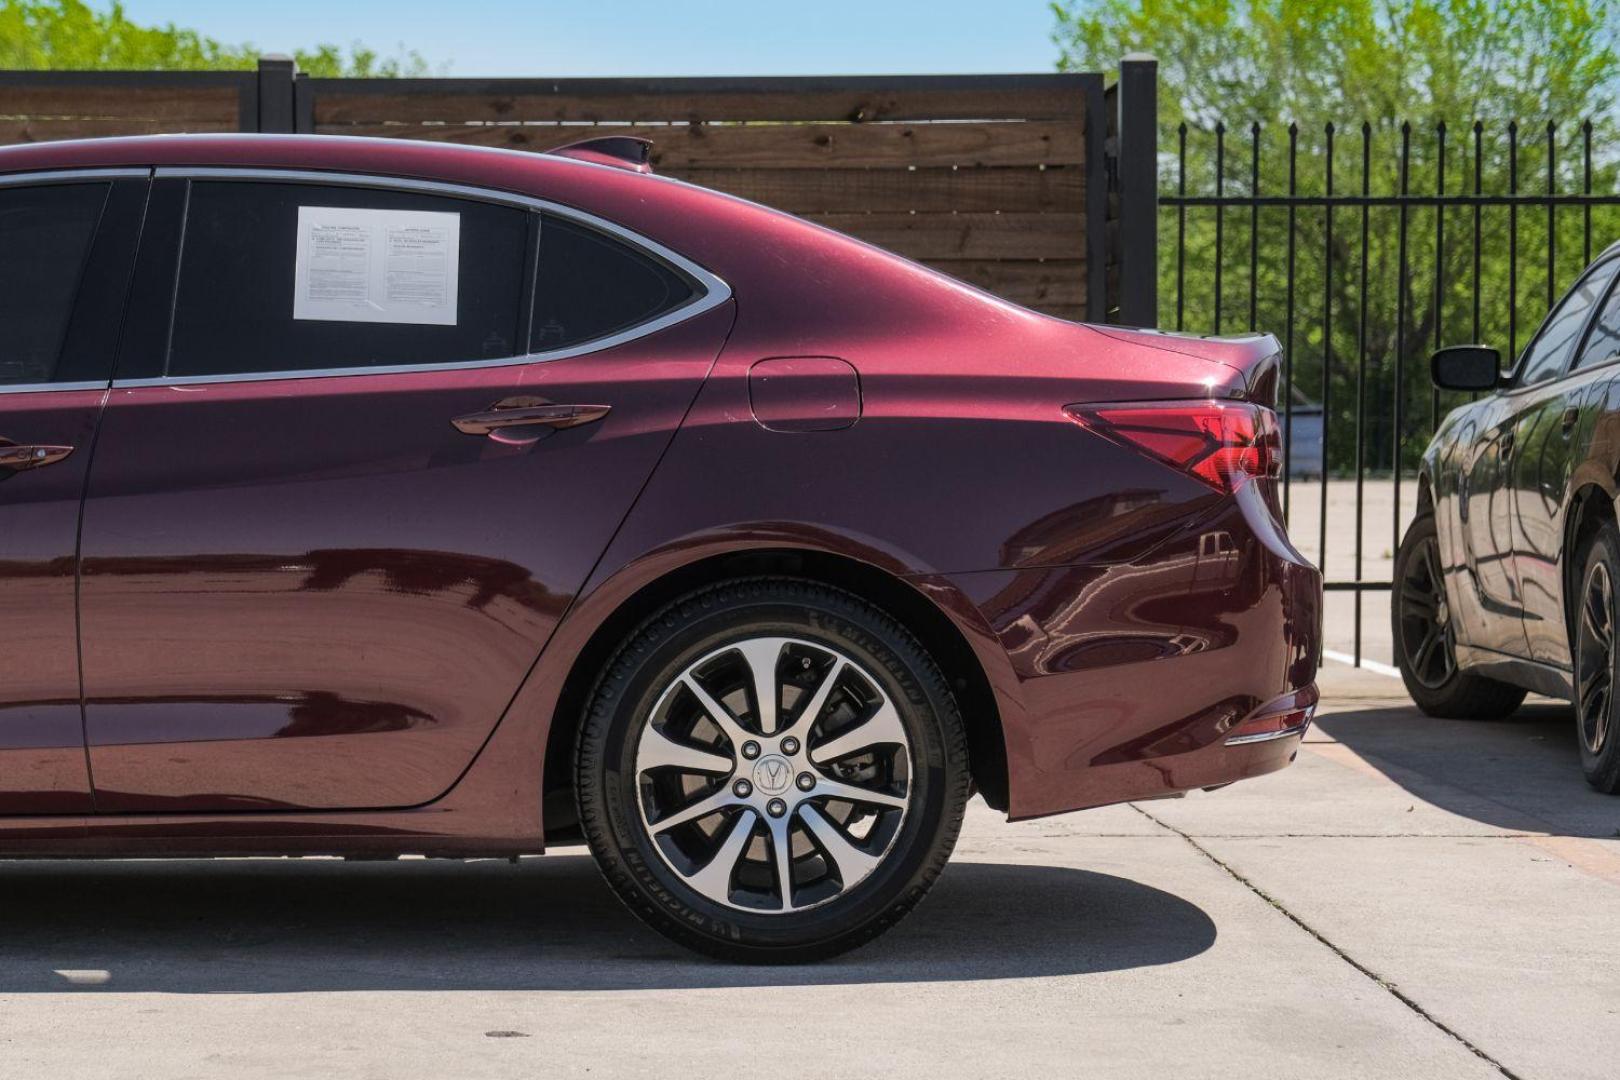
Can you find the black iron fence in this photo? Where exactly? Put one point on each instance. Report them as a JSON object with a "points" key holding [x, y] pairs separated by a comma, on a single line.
{"points": [[1362, 266]]}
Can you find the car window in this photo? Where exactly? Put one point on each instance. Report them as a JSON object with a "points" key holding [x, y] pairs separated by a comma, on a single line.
{"points": [[1603, 341], [1552, 347], [590, 285], [45, 235], [299, 277]]}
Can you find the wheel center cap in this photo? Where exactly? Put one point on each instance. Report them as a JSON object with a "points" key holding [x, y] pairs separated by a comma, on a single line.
{"points": [[773, 775]]}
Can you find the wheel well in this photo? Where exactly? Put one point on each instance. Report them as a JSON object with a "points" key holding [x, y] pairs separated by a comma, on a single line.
{"points": [[1588, 510], [939, 636], [1425, 498]]}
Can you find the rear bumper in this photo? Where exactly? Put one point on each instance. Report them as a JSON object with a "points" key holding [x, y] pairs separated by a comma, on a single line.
{"points": [[1192, 667]]}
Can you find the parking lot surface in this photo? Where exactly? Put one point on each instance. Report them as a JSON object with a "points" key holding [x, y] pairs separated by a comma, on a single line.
{"points": [[1414, 898]]}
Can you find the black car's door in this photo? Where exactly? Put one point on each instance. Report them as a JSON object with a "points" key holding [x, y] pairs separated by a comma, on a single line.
{"points": [[66, 247], [1488, 604], [1553, 436]]}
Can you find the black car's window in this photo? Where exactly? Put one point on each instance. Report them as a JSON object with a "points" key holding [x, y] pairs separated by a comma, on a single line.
{"points": [[374, 287], [1551, 350], [45, 235], [590, 285], [1603, 341]]}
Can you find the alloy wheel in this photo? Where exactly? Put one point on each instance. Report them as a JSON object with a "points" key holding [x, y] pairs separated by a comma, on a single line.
{"points": [[773, 775], [1428, 636], [1595, 657]]}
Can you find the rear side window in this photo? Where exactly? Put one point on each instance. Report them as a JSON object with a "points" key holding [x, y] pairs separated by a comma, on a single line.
{"points": [[305, 277], [1548, 353], [1603, 341], [590, 285], [45, 235]]}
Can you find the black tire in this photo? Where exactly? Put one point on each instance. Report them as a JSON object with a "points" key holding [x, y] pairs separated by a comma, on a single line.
{"points": [[1597, 719], [610, 793], [1425, 645]]}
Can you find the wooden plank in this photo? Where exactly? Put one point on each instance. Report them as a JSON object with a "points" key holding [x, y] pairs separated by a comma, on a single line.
{"points": [[1034, 284], [625, 101], [966, 236], [784, 146], [32, 131], [817, 191], [1072, 312], [213, 105]]}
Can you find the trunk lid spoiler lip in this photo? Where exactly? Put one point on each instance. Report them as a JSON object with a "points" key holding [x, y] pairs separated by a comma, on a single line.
{"points": [[1256, 358]]}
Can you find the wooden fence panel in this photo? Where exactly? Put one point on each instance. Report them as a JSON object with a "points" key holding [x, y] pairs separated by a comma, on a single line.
{"points": [[38, 106], [783, 146]]}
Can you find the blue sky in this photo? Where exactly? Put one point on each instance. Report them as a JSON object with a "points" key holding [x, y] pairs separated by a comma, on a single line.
{"points": [[647, 37]]}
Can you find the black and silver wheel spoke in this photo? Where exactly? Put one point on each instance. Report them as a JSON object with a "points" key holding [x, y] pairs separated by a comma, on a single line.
{"points": [[774, 774], [1594, 659], [1428, 638]]}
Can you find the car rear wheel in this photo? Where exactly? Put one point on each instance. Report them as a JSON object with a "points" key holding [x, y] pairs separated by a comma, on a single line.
{"points": [[1594, 621], [1426, 640], [771, 770]]}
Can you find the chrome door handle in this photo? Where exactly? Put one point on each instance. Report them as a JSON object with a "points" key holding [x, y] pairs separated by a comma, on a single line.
{"points": [[526, 411], [20, 458]]}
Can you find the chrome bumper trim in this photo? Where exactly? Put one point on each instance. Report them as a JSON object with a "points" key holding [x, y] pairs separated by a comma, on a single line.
{"points": [[1268, 736]]}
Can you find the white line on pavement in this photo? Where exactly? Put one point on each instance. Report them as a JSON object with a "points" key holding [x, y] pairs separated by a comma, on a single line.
{"points": [[1366, 664]]}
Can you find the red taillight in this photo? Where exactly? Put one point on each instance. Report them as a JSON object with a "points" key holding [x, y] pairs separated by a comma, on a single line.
{"points": [[1223, 443]]}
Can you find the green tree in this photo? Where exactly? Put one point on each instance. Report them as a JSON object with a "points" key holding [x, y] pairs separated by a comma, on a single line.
{"points": [[1371, 66], [71, 35]]}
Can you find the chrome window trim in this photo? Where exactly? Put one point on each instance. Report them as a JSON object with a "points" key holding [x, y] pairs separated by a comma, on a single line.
{"points": [[59, 176], [50, 387], [713, 290]]}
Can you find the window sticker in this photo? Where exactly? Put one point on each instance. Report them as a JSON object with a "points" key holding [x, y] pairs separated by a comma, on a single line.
{"points": [[382, 266]]}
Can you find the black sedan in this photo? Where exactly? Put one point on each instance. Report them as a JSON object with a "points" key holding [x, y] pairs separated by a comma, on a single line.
{"points": [[1506, 581]]}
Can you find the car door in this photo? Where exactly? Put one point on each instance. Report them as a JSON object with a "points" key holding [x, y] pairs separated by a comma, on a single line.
{"points": [[1488, 615], [1545, 418], [365, 441], [66, 246], [1564, 427]]}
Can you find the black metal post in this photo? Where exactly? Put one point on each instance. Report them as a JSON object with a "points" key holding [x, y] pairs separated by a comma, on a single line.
{"points": [[1288, 323], [1138, 190], [276, 74]]}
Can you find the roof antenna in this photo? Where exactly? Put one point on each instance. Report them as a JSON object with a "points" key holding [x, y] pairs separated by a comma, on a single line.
{"points": [[617, 151]]}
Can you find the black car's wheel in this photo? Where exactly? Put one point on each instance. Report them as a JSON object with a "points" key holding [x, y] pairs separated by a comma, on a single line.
{"points": [[1593, 619], [1426, 641], [771, 770]]}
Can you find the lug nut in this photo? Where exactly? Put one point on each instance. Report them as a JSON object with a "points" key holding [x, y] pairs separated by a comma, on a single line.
{"points": [[750, 750], [743, 789], [806, 781], [776, 808], [790, 745]]}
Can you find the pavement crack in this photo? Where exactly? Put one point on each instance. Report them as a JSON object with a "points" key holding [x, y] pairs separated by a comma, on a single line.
{"points": [[1361, 835], [1386, 985]]}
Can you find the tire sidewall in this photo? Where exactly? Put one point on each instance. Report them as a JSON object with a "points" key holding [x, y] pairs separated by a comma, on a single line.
{"points": [[1602, 769]]}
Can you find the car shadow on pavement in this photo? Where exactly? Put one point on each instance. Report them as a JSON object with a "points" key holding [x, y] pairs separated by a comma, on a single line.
{"points": [[548, 923], [1522, 773]]}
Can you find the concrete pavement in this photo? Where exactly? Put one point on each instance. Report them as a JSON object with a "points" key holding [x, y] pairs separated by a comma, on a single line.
{"points": [[1413, 898]]}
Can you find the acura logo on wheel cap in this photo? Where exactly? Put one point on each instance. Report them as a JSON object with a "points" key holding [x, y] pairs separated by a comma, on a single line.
{"points": [[773, 775]]}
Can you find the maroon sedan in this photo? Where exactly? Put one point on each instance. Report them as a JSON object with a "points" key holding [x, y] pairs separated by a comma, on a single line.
{"points": [[366, 497]]}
